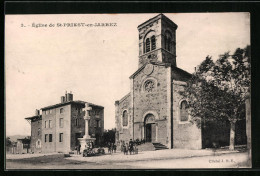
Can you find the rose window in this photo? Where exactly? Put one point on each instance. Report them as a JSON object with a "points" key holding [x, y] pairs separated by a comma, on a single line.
{"points": [[149, 86]]}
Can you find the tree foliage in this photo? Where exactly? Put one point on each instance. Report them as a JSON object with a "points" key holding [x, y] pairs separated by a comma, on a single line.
{"points": [[8, 142], [109, 136], [217, 90]]}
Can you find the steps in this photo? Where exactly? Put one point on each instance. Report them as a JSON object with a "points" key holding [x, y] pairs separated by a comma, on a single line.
{"points": [[159, 146], [146, 147], [151, 146]]}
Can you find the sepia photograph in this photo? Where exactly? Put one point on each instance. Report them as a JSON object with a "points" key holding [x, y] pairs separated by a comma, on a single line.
{"points": [[127, 91]]}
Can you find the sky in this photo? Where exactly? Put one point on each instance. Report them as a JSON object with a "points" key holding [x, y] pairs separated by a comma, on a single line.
{"points": [[95, 62]]}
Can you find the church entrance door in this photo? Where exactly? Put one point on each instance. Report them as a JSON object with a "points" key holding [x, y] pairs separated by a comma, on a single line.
{"points": [[149, 133], [150, 128]]}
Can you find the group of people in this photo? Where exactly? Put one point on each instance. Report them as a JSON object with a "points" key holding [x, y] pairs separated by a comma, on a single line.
{"points": [[131, 147], [90, 146], [111, 147]]}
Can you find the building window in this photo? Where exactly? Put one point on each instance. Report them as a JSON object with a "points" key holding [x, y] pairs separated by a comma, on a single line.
{"points": [[50, 137], [50, 111], [184, 116], [61, 123], [153, 42], [46, 136], [38, 144], [61, 137], [77, 122], [149, 86], [125, 118], [168, 41], [147, 44], [50, 124], [39, 131], [45, 124], [97, 124], [169, 44], [61, 110]]}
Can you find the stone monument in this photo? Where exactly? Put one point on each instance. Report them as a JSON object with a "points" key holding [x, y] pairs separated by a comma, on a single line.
{"points": [[86, 140]]}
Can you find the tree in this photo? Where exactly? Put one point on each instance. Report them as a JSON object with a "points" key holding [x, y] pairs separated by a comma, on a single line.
{"points": [[217, 90], [8, 142], [109, 136]]}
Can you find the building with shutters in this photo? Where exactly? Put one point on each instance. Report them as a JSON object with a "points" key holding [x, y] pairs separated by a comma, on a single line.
{"points": [[58, 127]]}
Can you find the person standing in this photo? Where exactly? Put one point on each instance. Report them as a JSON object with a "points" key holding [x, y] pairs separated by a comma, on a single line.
{"points": [[114, 148], [124, 148], [127, 148], [131, 146], [78, 149]]}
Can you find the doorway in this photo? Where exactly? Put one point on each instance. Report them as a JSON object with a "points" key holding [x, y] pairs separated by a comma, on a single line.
{"points": [[148, 136]]}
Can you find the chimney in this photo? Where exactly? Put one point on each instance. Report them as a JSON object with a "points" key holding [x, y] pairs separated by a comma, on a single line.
{"points": [[62, 99], [37, 112], [70, 96], [66, 97]]}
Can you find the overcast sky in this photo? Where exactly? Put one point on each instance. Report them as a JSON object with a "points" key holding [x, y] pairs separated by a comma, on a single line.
{"points": [[95, 62]]}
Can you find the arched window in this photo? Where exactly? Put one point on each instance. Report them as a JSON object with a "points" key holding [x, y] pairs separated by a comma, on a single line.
{"points": [[61, 110], [184, 116], [165, 42], [153, 42], [168, 41], [169, 44], [147, 44], [125, 118]]}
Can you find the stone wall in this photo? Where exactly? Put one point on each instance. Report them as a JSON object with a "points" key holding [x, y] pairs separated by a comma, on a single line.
{"points": [[36, 135], [154, 102], [76, 113], [125, 133], [185, 134], [95, 130], [97, 113], [55, 130], [157, 27]]}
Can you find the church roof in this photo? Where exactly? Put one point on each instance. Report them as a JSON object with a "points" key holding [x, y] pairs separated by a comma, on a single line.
{"points": [[178, 73], [181, 71], [160, 16], [143, 66], [127, 95]]}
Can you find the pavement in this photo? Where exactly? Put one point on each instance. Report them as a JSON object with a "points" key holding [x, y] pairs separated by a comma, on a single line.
{"points": [[160, 159], [27, 155], [150, 155]]}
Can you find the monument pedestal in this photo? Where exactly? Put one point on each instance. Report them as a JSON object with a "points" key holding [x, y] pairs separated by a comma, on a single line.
{"points": [[84, 142]]}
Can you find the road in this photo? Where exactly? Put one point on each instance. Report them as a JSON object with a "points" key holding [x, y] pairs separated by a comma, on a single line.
{"points": [[167, 159]]}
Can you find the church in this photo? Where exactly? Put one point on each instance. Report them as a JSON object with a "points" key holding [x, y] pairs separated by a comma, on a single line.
{"points": [[154, 110]]}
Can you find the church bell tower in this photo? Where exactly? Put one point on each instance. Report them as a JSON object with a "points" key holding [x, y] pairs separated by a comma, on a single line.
{"points": [[157, 41]]}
